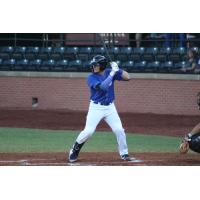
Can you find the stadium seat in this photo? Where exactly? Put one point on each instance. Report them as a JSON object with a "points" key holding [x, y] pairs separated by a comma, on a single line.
{"points": [[153, 66], [124, 53], [152, 50], [84, 53], [21, 64], [135, 57], [74, 65], [61, 65], [86, 67], [137, 54], [99, 50], [196, 49], [9, 49], [71, 53], [175, 58], [139, 50], [44, 53], [163, 54], [179, 50], [180, 65], [178, 54], [57, 53], [129, 65], [6, 52], [1, 61], [8, 64], [150, 54], [140, 65], [165, 50], [19, 53], [167, 66], [2, 66], [47, 65], [31, 53], [114, 51], [35, 64], [4, 56]]}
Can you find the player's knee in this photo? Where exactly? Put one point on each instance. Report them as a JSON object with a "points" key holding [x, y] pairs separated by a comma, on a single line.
{"points": [[118, 130], [89, 131]]}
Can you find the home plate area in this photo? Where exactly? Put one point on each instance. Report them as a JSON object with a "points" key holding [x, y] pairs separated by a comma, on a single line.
{"points": [[99, 159]]}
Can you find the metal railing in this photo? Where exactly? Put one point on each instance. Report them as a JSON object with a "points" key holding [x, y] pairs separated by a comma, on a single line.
{"points": [[111, 39]]}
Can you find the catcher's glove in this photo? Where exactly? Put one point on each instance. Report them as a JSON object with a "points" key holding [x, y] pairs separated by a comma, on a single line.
{"points": [[184, 146], [190, 142]]}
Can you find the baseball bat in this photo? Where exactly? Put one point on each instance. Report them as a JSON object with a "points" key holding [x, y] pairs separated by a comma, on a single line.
{"points": [[105, 47]]}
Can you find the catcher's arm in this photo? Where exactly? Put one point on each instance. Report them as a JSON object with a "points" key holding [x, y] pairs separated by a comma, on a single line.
{"points": [[184, 146], [196, 129]]}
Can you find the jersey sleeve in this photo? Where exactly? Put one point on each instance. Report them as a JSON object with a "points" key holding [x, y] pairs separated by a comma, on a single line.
{"points": [[92, 82], [118, 75]]}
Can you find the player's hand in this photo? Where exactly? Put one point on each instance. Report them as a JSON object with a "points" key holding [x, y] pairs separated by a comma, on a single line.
{"points": [[188, 137], [114, 66], [184, 147]]}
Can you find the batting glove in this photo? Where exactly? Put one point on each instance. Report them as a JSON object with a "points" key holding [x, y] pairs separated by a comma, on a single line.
{"points": [[114, 66]]}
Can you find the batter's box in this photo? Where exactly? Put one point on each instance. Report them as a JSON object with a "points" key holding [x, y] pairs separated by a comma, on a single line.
{"points": [[135, 160]]}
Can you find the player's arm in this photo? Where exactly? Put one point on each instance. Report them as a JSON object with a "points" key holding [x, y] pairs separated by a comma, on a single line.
{"points": [[104, 85], [195, 130], [125, 76], [184, 146], [120, 74]]}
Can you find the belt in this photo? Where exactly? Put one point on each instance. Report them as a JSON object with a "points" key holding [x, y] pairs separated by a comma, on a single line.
{"points": [[101, 103]]}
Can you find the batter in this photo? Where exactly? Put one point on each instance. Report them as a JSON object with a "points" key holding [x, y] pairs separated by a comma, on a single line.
{"points": [[101, 84]]}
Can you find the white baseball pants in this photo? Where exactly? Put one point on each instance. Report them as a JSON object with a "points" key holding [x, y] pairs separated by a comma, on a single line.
{"points": [[109, 113]]}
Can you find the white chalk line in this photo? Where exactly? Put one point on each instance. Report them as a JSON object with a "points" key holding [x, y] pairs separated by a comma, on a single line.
{"points": [[135, 160], [30, 162], [26, 160]]}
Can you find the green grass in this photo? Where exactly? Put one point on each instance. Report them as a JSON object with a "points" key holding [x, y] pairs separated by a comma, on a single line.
{"points": [[35, 140]]}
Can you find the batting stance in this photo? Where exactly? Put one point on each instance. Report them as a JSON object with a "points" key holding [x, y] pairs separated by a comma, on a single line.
{"points": [[101, 84], [192, 139]]}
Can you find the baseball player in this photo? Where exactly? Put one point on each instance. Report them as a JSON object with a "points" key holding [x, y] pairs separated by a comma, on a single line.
{"points": [[101, 85], [192, 139]]}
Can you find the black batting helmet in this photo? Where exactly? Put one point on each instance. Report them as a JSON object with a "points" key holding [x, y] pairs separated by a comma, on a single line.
{"points": [[100, 60]]}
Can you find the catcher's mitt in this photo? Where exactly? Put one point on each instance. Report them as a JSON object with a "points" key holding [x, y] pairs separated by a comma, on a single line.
{"points": [[184, 147], [191, 142]]}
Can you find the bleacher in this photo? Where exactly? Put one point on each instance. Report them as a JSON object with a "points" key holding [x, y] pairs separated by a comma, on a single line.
{"points": [[76, 59]]}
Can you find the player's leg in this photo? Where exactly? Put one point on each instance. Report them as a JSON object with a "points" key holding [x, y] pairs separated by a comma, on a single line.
{"points": [[113, 120], [93, 118]]}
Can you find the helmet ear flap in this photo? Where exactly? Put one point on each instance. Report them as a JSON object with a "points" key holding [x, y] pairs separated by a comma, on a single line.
{"points": [[101, 60], [103, 65]]}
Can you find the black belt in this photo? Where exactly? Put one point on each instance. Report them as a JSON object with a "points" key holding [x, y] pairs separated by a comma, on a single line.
{"points": [[101, 103]]}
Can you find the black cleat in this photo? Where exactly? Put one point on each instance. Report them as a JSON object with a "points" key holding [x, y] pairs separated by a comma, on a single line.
{"points": [[73, 155], [126, 157], [74, 151]]}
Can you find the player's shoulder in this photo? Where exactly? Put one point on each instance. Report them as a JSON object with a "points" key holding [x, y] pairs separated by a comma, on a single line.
{"points": [[91, 76], [107, 70]]}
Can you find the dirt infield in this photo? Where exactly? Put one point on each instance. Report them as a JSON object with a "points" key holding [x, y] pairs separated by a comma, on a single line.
{"points": [[67, 120], [172, 125], [99, 159]]}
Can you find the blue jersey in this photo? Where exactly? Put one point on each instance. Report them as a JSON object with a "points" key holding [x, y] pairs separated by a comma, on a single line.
{"points": [[98, 95]]}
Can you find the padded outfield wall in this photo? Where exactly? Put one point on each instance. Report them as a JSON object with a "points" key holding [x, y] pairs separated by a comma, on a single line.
{"points": [[145, 93]]}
